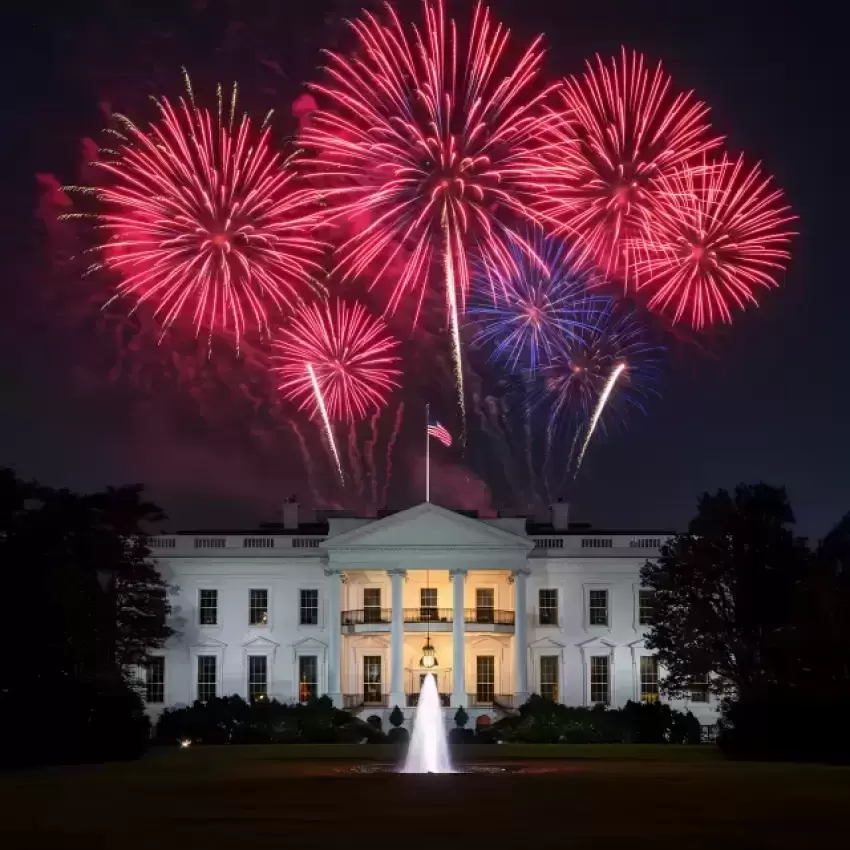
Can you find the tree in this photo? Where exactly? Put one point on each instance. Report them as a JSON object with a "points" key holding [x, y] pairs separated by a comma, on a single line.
{"points": [[725, 593]]}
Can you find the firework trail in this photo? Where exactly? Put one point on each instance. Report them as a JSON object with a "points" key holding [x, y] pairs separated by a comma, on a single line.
{"points": [[714, 234], [369, 451], [620, 126], [203, 220], [355, 457], [308, 463], [597, 413], [525, 311], [323, 411], [352, 358], [437, 142], [399, 415]]}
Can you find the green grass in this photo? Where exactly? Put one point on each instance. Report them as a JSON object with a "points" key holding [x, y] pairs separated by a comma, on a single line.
{"points": [[607, 796]]}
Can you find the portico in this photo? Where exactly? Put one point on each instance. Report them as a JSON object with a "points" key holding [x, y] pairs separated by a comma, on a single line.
{"points": [[453, 583]]}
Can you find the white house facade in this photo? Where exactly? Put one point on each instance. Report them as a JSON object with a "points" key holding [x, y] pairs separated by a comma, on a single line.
{"points": [[361, 608]]}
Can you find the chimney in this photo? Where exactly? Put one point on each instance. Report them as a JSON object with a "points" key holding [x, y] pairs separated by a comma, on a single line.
{"points": [[560, 513], [290, 513]]}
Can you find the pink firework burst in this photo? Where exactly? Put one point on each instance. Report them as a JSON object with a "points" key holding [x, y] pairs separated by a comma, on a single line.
{"points": [[204, 221], [341, 353], [621, 127], [716, 233], [430, 144]]}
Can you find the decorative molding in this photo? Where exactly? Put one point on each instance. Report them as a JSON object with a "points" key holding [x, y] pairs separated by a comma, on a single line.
{"points": [[331, 572], [457, 571], [397, 571], [525, 572]]}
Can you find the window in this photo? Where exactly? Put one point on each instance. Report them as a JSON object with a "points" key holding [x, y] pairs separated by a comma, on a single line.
{"points": [[485, 678], [155, 679], [547, 601], [699, 689], [485, 602], [308, 677], [372, 605], [309, 608], [206, 677], [258, 607], [208, 607], [372, 690], [599, 679], [645, 600], [648, 678], [549, 677], [598, 608], [258, 673], [428, 604]]}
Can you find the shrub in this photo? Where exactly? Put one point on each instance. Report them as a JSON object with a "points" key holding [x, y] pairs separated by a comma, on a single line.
{"points": [[398, 735], [397, 717], [461, 717], [458, 735], [375, 722]]}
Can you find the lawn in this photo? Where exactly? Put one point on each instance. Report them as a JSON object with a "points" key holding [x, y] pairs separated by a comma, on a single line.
{"points": [[603, 797]]}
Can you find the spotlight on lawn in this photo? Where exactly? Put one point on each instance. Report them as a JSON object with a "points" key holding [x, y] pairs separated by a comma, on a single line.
{"points": [[185, 743]]}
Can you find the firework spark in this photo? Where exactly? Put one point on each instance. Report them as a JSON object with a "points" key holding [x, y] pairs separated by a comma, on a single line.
{"points": [[525, 311], [577, 375], [714, 235], [597, 413], [351, 354], [323, 411], [429, 142], [621, 126], [203, 220]]}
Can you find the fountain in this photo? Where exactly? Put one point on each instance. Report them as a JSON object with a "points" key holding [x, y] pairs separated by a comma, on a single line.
{"points": [[429, 749]]}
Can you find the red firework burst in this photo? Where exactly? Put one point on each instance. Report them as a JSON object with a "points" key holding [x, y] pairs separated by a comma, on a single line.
{"points": [[434, 141], [621, 127], [351, 354], [715, 233], [203, 221]]}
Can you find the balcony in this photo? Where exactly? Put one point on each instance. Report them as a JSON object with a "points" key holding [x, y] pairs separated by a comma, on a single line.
{"points": [[413, 700], [427, 619]]}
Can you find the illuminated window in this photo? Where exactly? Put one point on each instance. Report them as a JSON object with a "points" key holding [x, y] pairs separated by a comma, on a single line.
{"points": [[258, 673], [600, 679], [648, 678], [208, 607], [485, 678], [549, 677], [645, 602], [372, 605], [155, 679], [485, 603], [206, 677], [258, 607], [547, 602], [428, 604], [598, 607], [372, 687], [308, 677], [309, 608]]}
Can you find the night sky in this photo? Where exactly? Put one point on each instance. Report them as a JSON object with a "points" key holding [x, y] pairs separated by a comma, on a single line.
{"points": [[89, 400]]}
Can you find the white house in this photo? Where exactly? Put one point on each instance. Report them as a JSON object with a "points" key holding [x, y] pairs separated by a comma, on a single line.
{"points": [[361, 608]]}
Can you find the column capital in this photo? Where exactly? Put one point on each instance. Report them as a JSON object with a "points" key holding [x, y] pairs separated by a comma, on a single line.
{"points": [[331, 573], [397, 571], [457, 571], [521, 572]]}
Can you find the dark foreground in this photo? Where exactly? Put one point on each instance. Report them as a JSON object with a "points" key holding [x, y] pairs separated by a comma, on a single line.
{"points": [[243, 797]]}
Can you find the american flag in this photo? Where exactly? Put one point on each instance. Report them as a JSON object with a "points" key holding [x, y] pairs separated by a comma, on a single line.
{"points": [[438, 431]]}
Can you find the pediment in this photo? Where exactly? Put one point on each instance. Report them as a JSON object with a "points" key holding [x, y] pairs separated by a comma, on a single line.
{"points": [[369, 642], [261, 642], [309, 643], [547, 643], [596, 643], [208, 642], [640, 643], [429, 527]]}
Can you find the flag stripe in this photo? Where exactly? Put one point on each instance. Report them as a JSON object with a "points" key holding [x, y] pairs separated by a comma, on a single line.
{"points": [[440, 433]]}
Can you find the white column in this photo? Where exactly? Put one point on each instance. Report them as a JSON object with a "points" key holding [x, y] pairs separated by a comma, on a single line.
{"points": [[520, 638], [458, 657], [397, 578], [335, 579]]}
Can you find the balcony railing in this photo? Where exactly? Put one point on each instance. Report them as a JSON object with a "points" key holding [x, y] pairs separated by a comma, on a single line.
{"points": [[488, 616], [483, 698], [355, 701], [428, 615], [413, 700], [366, 616]]}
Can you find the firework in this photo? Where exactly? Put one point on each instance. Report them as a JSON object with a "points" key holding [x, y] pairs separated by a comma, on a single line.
{"points": [[428, 142], [525, 311], [351, 352], [715, 234], [323, 411], [576, 378], [597, 413], [620, 127], [202, 220]]}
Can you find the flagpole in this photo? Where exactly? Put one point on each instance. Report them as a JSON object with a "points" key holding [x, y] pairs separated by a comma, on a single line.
{"points": [[427, 453]]}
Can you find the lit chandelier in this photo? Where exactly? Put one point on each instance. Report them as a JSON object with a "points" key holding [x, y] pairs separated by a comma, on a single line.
{"points": [[428, 659]]}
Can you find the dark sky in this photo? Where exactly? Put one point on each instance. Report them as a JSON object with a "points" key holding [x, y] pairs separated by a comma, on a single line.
{"points": [[765, 399]]}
